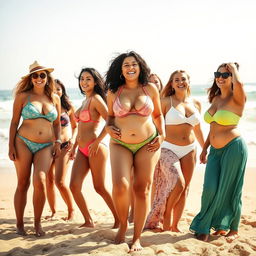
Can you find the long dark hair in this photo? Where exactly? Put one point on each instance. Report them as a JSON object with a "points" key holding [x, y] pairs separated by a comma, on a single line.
{"points": [[168, 89], [114, 77], [99, 87], [214, 90], [64, 99]]}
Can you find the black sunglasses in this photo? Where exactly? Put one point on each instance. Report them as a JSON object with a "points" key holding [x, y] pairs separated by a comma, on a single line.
{"points": [[224, 75], [35, 75]]}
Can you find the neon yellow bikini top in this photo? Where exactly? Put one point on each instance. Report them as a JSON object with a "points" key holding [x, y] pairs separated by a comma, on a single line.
{"points": [[222, 117]]}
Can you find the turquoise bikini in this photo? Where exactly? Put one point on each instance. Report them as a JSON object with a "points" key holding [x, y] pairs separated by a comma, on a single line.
{"points": [[29, 111]]}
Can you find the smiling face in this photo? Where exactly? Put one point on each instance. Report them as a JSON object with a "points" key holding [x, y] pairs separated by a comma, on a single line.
{"points": [[223, 82], [86, 82], [180, 82], [130, 68], [39, 79]]}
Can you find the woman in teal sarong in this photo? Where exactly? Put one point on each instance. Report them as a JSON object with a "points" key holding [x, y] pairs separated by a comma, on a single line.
{"points": [[224, 175]]}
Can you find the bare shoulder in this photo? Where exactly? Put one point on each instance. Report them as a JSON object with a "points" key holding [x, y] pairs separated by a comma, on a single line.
{"points": [[22, 97], [56, 98], [98, 100], [196, 103], [165, 100]]}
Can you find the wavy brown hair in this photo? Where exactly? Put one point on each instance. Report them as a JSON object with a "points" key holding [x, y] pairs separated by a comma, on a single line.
{"points": [[214, 90], [25, 85], [64, 99], [168, 89]]}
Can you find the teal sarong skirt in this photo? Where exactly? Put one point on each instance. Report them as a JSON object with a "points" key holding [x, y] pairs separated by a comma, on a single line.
{"points": [[223, 181]]}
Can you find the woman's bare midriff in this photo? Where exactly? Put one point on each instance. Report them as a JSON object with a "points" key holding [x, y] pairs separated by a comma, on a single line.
{"points": [[87, 132], [181, 134], [37, 130], [135, 129], [221, 135], [66, 133]]}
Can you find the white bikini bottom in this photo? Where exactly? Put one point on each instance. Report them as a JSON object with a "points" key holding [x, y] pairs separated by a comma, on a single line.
{"points": [[180, 151]]}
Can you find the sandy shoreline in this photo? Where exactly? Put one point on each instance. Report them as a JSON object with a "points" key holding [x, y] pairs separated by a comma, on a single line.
{"points": [[64, 238]]}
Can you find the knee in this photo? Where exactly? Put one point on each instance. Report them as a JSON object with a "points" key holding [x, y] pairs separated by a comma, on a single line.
{"points": [[181, 187], [74, 188], [39, 180], [142, 190], [60, 184], [23, 185], [100, 189], [121, 188]]}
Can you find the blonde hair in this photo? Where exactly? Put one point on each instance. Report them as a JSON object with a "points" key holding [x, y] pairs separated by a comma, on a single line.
{"points": [[25, 85], [168, 89]]}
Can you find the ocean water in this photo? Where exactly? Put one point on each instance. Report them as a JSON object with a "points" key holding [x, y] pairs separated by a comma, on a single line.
{"points": [[247, 124]]}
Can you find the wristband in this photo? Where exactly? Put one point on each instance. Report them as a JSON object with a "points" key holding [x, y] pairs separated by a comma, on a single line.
{"points": [[59, 141]]}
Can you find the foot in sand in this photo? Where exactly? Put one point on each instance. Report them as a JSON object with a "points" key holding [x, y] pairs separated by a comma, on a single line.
{"points": [[70, 216], [120, 236], [202, 237], [175, 229], [87, 224], [231, 236], [39, 231], [52, 217], [21, 231], [136, 246], [220, 233]]}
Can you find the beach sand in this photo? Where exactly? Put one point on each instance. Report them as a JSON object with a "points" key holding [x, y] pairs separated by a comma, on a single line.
{"points": [[65, 238]]}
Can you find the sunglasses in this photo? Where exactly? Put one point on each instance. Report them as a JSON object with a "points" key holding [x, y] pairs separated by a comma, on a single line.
{"points": [[35, 75], [224, 75]]}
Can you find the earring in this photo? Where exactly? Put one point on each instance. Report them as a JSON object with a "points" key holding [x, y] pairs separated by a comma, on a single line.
{"points": [[121, 76]]}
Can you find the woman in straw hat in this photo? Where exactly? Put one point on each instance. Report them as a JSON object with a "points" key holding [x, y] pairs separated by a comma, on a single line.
{"points": [[36, 141]]}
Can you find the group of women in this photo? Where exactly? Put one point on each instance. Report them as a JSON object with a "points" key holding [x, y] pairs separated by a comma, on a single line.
{"points": [[152, 146]]}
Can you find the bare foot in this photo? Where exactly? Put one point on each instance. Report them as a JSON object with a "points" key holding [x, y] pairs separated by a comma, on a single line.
{"points": [[50, 217], [136, 246], [202, 237], [120, 236], [87, 224], [167, 228], [21, 231], [231, 236], [39, 231], [175, 229], [70, 216], [220, 233]]}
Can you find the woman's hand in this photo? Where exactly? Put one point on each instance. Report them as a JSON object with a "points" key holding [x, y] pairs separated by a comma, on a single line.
{"points": [[56, 149], [203, 158], [93, 148], [155, 144], [69, 146], [231, 67], [72, 153], [113, 131], [12, 153]]}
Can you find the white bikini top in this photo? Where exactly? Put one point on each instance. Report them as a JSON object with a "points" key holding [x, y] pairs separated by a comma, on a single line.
{"points": [[175, 117]]}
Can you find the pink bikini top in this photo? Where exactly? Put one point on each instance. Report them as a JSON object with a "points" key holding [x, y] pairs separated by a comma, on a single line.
{"points": [[84, 115], [145, 110]]}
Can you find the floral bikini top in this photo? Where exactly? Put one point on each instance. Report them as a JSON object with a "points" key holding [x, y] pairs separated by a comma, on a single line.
{"points": [[29, 111], [85, 116], [145, 110]]}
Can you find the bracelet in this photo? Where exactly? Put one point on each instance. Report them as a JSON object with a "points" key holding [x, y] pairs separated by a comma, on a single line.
{"points": [[59, 141]]}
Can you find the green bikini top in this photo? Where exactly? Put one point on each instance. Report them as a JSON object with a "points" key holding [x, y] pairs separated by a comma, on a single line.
{"points": [[222, 117]]}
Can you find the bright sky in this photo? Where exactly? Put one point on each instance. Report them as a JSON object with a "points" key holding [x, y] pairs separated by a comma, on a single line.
{"points": [[195, 35]]}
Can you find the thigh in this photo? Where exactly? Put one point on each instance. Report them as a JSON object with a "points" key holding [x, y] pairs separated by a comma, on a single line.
{"points": [[187, 164], [98, 165], [121, 160], [61, 165], [144, 166], [80, 168], [42, 160], [24, 160]]}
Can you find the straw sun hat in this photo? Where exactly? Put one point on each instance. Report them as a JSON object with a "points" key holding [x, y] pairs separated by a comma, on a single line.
{"points": [[35, 67]]}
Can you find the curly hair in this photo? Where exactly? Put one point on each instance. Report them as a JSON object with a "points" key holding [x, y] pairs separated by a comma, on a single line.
{"points": [[64, 99], [168, 89], [214, 90], [25, 85], [99, 87], [114, 78]]}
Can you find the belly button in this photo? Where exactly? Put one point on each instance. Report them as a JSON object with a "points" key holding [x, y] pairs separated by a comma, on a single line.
{"points": [[40, 133]]}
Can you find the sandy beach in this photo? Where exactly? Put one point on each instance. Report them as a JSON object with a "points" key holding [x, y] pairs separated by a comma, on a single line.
{"points": [[65, 238]]}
